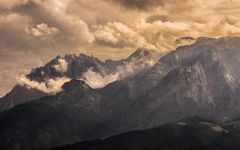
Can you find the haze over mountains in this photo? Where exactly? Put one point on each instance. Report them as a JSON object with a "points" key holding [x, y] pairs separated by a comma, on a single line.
{"points": [[135, 93]]}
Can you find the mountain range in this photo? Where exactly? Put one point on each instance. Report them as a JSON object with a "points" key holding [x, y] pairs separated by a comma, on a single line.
{"points": [[38, 82], [200, 79]]}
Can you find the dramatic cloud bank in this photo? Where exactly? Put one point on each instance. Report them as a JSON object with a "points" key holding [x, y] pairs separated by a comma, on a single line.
{"points": [[42, 30], [96, 80], [160, 35], [50, 86], [120, 35], [34, 31]]}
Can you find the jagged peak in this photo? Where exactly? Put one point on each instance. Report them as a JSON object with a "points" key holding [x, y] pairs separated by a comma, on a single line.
{"points": [[73, 56], [75, 84]]}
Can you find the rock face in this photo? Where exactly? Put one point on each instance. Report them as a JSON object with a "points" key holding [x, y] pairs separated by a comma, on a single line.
{"points": [[190, 133], [73, 67], [196, 80]]}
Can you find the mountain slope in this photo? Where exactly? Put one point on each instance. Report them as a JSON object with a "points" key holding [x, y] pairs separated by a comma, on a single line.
{"points": [[200, 79], [204, 77], [18, 95], [54, 120], [191, 133]]}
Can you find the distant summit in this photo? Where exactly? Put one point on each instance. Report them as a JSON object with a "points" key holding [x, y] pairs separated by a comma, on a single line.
{"points": [[73, 66], [76, 86]]}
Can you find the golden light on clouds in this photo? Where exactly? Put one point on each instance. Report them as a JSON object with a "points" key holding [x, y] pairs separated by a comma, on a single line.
{"points": [[33, 31]]}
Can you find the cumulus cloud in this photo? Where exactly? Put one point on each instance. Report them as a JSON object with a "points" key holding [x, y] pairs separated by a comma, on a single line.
{"points": [[42, 30], [62, 65], [155, 36], [120, 35], [162, 35], [50, 86], [81, 30], [140, 4], [33, 19]]}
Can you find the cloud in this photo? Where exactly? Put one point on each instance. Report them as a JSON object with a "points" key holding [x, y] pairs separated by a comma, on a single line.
{"points": [[185, 41], [50, 86], [15, 63], [62, 65], [162, 35], [140, 4], [155, 36], [42, 30], [34, 19], [97, 80], [157, 17], [117, 34], [33, 30]]}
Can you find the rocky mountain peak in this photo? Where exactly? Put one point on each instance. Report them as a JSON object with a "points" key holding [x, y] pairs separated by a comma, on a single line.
{"points": [[76, 85]]}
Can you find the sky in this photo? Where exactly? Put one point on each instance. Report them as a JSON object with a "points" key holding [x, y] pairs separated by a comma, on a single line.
{"points": [[34, 31]]}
